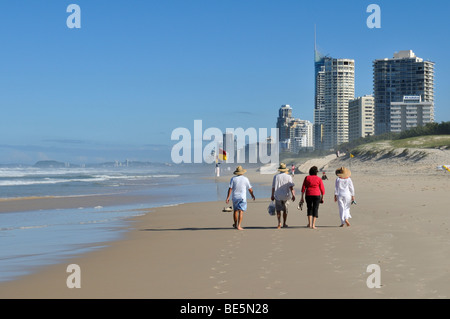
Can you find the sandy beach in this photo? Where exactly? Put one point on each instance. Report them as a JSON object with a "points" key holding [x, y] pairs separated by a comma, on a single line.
{"points": [[400, 223]]}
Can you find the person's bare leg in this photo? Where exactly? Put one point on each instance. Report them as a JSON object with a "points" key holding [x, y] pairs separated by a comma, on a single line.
{"points": [[241, 213], [235, 218], [309, 221], [279, 219], [314, 223], [346, 221], [285, 219]]}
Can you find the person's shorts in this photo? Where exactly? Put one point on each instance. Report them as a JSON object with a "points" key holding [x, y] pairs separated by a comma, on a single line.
{"points": [[280, 205], [239, 204]]}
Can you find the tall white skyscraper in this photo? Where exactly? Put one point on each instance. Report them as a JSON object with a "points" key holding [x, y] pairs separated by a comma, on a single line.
{"points": [[339, 79], [319, 97], [334, 87]]}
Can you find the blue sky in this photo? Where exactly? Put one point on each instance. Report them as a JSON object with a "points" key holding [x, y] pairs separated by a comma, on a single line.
{"points": [[136, 70]]}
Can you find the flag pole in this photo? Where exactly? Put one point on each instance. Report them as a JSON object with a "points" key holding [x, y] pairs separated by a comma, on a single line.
{"points": [[217, 161], [350, 160]]}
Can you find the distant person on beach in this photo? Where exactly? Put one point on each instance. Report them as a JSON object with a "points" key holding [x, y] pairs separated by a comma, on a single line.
{"points": [[282, 189], [217, 170], [344, 194], [239, 185], [293, 169], [324, 176], [314, 190]]}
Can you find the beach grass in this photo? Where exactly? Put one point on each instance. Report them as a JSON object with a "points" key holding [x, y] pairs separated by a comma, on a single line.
{"points": [[414, 148], [428, 141]]}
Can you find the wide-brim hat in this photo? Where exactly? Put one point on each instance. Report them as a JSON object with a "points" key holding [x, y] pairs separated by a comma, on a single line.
{"points": [[283, 168], [343, 172], [239, 170]]}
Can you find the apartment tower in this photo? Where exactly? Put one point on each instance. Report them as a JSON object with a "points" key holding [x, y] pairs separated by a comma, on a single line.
{"points": [[361, 117], [393, 79], [339, 79], [319, 98], [334, 88]]}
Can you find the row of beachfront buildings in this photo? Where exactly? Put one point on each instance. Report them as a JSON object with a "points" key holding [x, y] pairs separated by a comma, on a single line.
{"points": [[403, 98]]}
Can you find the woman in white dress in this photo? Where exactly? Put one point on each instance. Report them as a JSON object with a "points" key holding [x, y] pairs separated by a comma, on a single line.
{"points": [[344, 194]]}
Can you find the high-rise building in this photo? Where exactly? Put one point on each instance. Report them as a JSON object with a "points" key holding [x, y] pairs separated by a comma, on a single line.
{"points": [[339, 79], [334, 87], [360, 117], [403, 75], [284, 117], [319, 97], [411, 112], [301, 135], [294, 134]]}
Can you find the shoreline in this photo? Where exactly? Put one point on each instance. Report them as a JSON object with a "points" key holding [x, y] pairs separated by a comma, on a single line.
{"points": [[39, 203], [89, 220], [191, 250]]}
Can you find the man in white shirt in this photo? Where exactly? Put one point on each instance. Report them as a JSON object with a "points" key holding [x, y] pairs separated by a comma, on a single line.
{"points": [[282, 189], [239, 185]]}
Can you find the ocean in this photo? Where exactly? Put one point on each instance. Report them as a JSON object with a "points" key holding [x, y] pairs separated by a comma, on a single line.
{"points": [[38, 237]]}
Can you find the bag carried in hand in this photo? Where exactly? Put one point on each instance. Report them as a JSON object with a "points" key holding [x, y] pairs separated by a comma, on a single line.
{"points": [[271, 208]]}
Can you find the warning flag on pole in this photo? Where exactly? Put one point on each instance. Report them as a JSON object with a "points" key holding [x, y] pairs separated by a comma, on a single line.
{"points": [[222, 154]]}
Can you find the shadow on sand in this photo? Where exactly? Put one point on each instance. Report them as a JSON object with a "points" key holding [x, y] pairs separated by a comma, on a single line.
{"points": [[227, 228]]}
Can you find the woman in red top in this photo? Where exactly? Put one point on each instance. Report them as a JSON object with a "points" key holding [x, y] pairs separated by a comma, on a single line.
{"points": [[314, 188]]}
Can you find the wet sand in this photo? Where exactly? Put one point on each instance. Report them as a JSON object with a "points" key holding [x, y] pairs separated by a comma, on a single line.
{"points": [[27, 204]]}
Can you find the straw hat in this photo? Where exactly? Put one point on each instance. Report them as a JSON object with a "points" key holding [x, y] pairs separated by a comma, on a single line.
{"points": [[283, 168], [343, 172], [239, 170]]}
